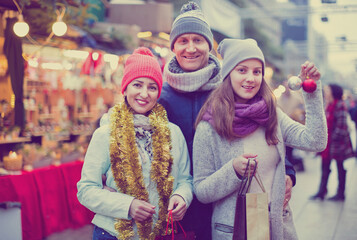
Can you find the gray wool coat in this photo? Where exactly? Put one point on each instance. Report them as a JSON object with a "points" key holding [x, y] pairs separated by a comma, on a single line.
{"points": [[215, 180]]}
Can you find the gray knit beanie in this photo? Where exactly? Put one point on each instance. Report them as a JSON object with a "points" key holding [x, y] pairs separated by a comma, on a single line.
{"points": [[234, 51], [191, 20]]}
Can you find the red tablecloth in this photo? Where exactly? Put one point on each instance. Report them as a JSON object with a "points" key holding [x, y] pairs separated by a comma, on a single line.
{"points": [[78, 215], [48, 199]]}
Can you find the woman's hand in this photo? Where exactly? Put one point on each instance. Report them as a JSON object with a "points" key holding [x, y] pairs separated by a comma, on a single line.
{"points": [[288, 190], [178, 206], [141, 210], [240, 163], [308, 69], [104, 180]]}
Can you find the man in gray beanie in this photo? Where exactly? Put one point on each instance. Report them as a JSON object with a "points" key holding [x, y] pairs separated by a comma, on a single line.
{"points": [[190, 77], [191, 20]]}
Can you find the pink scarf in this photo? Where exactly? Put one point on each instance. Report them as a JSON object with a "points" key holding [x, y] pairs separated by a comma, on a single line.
{"points": [[248, 116]]}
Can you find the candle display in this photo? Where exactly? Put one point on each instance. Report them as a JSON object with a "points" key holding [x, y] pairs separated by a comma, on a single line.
{"points": [[13, 161]]}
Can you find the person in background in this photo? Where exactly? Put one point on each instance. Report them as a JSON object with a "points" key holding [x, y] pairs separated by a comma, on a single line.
{"points": [[240, 120], [339, 146], [143, 156], [191, 75], [353, 114]]}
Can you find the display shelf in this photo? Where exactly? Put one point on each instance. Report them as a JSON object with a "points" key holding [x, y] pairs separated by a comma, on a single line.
{"points": [[85, 115], [62, 138], [82, 133], [33, 109], [54, 136], [35, 82], [16, 140], [46, 116]]}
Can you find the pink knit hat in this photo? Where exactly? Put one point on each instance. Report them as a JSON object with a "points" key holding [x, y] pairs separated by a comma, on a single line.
{"points": [[141, 63]]}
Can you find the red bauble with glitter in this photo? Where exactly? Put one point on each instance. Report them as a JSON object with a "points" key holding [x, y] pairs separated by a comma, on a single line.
{"points": [[309, 85]]}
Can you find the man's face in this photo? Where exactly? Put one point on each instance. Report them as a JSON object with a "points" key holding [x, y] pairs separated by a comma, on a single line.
{"points": [[192, 51]]}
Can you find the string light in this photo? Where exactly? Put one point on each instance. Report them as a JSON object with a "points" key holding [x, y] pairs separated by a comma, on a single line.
{"points": [[59, 28], [21, 28], [144, 34]]}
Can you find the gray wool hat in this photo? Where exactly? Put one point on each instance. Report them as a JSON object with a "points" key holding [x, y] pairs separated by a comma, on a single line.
{"points": [[191, 20], [234, 51]]}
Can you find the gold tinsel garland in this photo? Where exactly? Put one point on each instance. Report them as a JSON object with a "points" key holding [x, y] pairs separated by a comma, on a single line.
{"points": [[127, 170]]}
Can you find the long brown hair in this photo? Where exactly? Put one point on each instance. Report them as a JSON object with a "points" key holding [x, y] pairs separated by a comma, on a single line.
{"points": [[221, 102]]}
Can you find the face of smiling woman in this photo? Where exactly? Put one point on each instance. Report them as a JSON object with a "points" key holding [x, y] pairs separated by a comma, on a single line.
{"points": [[142, 94], [246, 79]]}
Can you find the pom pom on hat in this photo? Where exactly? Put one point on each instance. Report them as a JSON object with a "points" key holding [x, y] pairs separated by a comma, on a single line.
{"points": [[191, 20], [234, 51], [189, 7], [143, 51], [141, 63]]}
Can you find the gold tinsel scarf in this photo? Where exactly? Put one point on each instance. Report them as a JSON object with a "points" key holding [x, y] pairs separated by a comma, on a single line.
{"points": [[127, 170]]}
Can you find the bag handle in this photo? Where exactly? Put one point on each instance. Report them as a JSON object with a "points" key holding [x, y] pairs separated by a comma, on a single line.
{"points": [[247, 178], [170, 219], [259, 181], [244, 181]]}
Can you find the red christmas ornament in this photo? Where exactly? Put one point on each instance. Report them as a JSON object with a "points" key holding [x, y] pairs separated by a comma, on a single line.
{"points": [[309, 85]]}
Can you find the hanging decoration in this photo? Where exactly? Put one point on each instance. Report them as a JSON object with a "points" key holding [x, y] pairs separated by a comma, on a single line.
{"points": [[308, 85], [93, 64]]}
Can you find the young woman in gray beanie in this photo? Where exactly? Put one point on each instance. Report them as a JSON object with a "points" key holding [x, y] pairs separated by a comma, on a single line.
{"points": [[189, 77], [240, 120]]}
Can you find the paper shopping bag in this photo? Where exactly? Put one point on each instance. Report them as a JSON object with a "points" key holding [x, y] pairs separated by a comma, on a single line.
{"points": [[252, 213], [257, 216]]}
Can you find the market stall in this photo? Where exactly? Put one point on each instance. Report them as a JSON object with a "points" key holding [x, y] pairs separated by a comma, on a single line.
{"points": [[48, 199], [64, 85]]}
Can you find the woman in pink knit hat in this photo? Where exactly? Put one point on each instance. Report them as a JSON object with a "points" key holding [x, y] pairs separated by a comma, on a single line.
{"points": [[143, 156]]}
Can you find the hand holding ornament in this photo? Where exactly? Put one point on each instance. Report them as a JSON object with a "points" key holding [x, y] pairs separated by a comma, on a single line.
{"points": [[310, 74], [309, 70]]}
